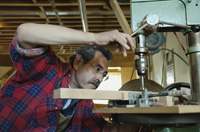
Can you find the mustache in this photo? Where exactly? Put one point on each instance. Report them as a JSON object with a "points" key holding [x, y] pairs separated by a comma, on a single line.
{"points": [[95, 82]]}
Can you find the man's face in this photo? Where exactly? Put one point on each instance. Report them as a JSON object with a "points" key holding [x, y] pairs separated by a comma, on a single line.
{"points": [[90, 75]]}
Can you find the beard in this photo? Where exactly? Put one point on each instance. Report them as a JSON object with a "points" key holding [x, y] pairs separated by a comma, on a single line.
{"points": [[95, 82]]}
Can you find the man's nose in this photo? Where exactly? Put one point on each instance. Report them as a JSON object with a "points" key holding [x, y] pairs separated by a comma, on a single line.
{"points": [[100, 77]]}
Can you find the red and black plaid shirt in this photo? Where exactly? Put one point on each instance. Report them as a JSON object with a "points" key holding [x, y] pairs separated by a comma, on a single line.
{"points": [[26, 100]]}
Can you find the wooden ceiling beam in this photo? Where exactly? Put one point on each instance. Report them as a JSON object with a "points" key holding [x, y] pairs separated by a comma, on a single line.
{"points": [[5, 38], [73, 25], [99, 15], [7, 34], [51, 13], [4, 44], [120, 16], [42, 14], [53, 17], [20, 17], [56, 4], [94, 3], [7, 30], [64, 21], [5, 41]]}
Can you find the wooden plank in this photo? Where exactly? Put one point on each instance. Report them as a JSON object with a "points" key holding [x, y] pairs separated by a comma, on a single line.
{"points": [[166, 100], [77, 93], [179, 109], [56, 4], [66, 93], [42, 14], [120, 16]]}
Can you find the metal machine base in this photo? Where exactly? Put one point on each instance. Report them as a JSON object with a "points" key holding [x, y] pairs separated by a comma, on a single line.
{"points": [[159, 118]]}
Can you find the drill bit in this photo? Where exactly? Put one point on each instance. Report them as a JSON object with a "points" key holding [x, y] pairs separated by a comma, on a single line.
{"points": [[142, 82]]}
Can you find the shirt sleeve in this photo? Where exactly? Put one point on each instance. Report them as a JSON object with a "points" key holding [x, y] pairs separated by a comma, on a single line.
{"points": [[31, 63], [85, 120], [27, 52]]}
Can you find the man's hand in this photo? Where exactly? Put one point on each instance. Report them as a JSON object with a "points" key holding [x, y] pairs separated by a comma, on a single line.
{"points": [[124, 40]]}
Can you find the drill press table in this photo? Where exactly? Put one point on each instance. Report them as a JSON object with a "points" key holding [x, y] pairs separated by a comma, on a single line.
{"points": [[180, 114]]}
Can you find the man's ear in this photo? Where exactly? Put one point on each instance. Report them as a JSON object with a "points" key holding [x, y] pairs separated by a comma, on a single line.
{"points": [[77, 62]]}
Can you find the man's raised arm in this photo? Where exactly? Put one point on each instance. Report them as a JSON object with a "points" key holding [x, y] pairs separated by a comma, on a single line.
{"points": [[32, 35]]}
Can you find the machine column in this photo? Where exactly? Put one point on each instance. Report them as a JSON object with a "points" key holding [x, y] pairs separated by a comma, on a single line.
{"points": [[193, 52]]}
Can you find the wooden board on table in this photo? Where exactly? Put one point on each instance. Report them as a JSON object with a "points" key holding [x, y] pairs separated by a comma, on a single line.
{"points": [[72, 93]]}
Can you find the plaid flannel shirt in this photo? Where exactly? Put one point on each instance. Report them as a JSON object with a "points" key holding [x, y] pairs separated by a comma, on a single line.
{"points": [[26, 100]]}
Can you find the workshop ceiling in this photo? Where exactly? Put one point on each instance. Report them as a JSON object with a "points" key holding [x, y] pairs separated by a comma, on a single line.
{"points": [[99, 13]]}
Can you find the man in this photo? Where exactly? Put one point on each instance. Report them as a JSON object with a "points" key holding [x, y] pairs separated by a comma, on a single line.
{"points": [[26, 100]]}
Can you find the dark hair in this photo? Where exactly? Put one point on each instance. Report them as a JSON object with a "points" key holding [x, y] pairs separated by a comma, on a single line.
{"points": [[87, 52]]}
